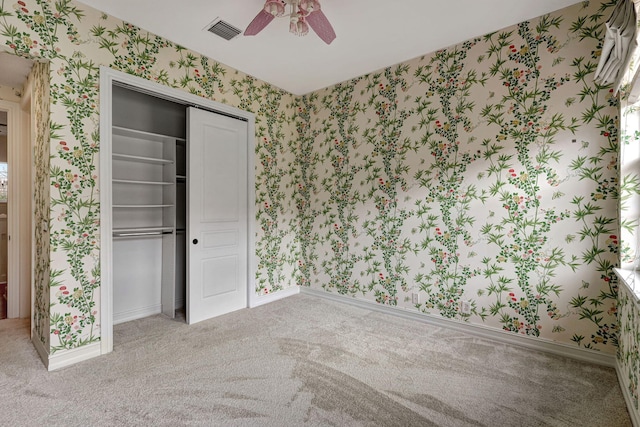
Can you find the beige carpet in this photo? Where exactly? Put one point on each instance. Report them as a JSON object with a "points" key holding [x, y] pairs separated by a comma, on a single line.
{"points": [[303, 361]]}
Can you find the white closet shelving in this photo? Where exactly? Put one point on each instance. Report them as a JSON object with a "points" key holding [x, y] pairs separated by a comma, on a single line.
{"points": [[144, 181], [144, 216]]}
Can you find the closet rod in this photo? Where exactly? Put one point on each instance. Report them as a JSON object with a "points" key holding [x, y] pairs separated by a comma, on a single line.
{"points": [[142, 234]]}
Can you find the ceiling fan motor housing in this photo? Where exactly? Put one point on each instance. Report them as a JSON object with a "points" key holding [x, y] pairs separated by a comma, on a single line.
{"points": [[274, 7], [303, 15]]}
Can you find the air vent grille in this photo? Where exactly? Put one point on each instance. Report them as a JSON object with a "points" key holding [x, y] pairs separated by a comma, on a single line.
{"points": [[224, 30]]}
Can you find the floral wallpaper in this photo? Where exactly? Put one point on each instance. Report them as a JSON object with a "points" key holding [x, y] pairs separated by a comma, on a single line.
{"points": [[74, 40], [482, 175], [629, 345], [39, 78]]}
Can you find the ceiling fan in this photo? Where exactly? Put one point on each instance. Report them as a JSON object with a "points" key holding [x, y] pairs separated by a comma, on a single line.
{"points": [[302, 15]]}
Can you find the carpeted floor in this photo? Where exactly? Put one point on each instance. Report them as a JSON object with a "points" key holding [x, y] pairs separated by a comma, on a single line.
{"points": [[303, 361]]}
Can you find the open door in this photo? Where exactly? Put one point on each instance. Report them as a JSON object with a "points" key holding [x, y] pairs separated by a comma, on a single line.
{"points": [[217, 215]]}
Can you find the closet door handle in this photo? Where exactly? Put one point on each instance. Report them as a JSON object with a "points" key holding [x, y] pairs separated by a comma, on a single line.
{"points": [[195, 241]]}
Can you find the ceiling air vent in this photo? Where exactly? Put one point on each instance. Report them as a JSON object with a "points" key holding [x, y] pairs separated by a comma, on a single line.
{"points": [[223, 29]]}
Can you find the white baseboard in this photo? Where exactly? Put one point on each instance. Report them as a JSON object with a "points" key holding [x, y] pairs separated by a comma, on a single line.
{"points": [[633, 412], [533, 343], [257, 301], [138, 313], [65, 358], [71, 357]]}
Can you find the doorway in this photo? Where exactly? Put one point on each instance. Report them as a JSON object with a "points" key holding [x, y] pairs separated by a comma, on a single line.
{"points": [[3, 215], [15, 187]]}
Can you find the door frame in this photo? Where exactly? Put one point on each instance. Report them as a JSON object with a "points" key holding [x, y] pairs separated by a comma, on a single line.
{"points": [[18, 210], [108, 77]]}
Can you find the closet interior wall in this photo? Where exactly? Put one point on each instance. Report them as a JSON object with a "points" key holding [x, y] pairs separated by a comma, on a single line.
{"points": [[149, 205]]}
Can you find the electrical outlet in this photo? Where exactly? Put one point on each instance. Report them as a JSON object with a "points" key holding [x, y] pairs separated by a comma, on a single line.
{"points": [[415, 298], [465, 307]]}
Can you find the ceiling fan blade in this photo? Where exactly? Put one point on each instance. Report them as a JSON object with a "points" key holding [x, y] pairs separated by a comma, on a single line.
{"points": [[261, 20], [320, 24]]}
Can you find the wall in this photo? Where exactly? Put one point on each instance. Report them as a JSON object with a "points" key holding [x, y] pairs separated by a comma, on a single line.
{"points": [[486, 172], [628, 356], [74, 40], [43, 286]]}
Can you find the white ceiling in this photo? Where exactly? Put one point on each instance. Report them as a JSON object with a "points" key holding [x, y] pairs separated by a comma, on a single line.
{"points": [[371, 34]]}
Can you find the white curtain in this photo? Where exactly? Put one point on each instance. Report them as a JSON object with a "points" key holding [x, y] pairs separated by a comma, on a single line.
{"points": [[619, 44]]}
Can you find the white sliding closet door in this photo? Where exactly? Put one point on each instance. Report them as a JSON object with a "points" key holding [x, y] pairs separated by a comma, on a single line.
{"points": [[217, 256]]}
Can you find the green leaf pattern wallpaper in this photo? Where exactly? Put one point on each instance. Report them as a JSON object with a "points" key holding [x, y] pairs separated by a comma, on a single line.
{"points": [[41, 201], [485, 173], [628, 354], [74, 40]]}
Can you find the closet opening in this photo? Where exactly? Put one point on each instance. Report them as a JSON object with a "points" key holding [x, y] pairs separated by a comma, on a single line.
{"points": [[177, 198]]}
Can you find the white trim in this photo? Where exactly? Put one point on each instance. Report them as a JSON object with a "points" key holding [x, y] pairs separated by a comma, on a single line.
{"points": [[25, 206], [65, 358], [252, 260], [106, 239], [532, 343], [14, 137], [138, 313], [107, 77], [633, 413], [27, 107], [258, 300], [73, 356]]}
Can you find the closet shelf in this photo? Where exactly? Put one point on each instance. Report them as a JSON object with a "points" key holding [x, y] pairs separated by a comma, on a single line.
{"points": [[150, 136], [129, 181], [141, 159]]}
